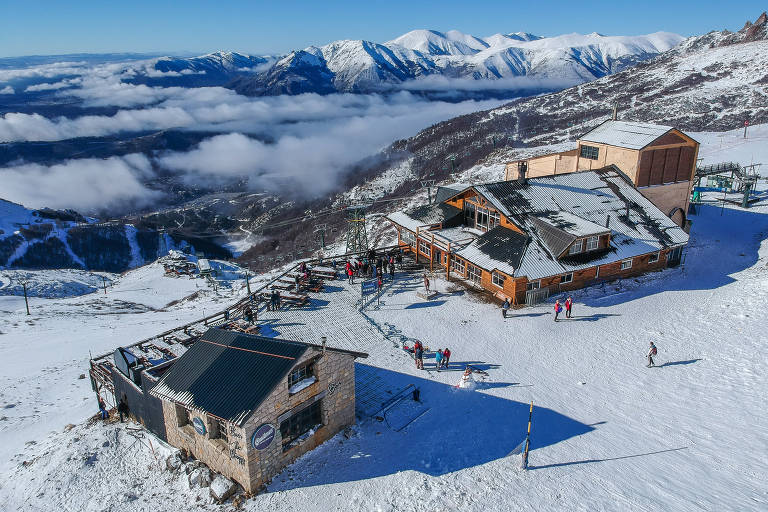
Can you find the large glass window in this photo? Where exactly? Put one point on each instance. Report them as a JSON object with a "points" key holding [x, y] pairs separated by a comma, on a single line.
{"points": [[482, 219], [458, 265], [495, 219], [474, 273], [469, 214], [590, 152], [576, 247], [408, 237], [498, 279], [533, 285], [424, 248], [592, 243], [300, 423]]}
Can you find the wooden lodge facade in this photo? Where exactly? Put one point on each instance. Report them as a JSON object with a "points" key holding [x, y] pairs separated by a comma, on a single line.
{"points": [[659, 160], [547, 234]]}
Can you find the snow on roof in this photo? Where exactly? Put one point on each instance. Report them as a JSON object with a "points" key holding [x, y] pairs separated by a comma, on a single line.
{"points": [[426, 215], [625, 134], [498, 249], [583, 202]]}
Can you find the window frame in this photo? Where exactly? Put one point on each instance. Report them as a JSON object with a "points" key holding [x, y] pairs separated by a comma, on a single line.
{"points": [[589, 152], [408, 237], [301, 373], [458, 265], [424, 248], [654, 257], [596, 239], [533, 285], [626, 264], [497, 278], [578, 245], [566, 278], [299, 423], [494, 219], [183, 417], [474, 273]]}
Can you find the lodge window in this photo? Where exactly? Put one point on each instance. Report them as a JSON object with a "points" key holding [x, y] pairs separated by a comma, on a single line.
{"points": [[498, 279], [576, 247], [217, 429], [469, 214], [566, 278], [590, 152], [474, 274], [424, 248], [482, 219], [293, 428], [625, 264], [301, 377], [182, 416], [533, 285], [494, 219], [458, 265], [653, 258], [408, 237], [592, 243]]}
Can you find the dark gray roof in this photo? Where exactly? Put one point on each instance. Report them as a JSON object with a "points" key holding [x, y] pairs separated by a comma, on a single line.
{"points": [[228, 374], [434, 213], [554, 238], [448, 191], [498, 249]]}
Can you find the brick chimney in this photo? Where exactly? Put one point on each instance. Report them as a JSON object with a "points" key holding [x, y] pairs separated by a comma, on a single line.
{"points": [[522, 168]]}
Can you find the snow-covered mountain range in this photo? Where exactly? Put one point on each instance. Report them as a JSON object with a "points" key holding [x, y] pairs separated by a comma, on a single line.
{"points": [[430, 60]]}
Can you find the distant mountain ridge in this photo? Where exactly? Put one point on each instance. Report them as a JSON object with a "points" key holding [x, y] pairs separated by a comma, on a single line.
{"points": [[362, 66]]}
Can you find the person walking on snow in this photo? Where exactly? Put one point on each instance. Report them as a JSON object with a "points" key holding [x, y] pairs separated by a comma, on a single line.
{"points": [[558, 309], [418, 354], [103, 409], [438, 359], [568, 307], [651, 353], [505, 307], [350, 275], [446, 357], [426, 283]]}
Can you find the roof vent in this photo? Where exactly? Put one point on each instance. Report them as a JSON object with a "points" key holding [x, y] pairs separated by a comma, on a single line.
{"points": [[608, 221]]}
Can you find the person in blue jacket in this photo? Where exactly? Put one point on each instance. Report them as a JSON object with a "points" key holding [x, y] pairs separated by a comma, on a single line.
{"points": [[438, 358]]}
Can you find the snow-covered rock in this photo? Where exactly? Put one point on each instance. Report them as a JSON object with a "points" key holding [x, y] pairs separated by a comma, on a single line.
{"points": [[199, 477], [222, 488]]}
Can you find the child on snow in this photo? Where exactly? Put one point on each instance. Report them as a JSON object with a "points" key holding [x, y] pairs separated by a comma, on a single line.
{"points": [[505, 307], [438, 359], [558, 309], [651, 352]]}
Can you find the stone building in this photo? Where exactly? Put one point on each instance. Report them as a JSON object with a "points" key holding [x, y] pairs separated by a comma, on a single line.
{"points": [[526, 238], [659, 160], [248, 405]]}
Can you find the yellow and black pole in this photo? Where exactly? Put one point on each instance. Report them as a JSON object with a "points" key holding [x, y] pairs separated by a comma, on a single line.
{"points": [[527, 438]]}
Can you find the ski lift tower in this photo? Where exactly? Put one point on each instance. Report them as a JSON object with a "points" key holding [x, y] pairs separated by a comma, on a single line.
{"points": [[357, 237]]}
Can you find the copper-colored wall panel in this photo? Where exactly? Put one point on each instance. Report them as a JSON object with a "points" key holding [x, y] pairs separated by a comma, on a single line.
{"points": [[685, 170], [644, 169], [657, 167], [670, 164]]}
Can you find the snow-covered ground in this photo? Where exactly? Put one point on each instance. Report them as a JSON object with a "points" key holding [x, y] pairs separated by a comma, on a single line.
{"points": [[608, 433]]}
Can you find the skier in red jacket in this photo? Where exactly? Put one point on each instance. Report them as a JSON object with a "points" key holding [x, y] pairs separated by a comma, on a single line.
{"points": [[558, 309], [568, 307]]}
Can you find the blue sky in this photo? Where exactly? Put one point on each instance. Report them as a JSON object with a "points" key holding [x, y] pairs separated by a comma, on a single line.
{"points": [[192, 26]]}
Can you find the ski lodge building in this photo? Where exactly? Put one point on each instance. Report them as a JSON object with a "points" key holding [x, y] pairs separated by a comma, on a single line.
{"points": [[659, 160], [244, 405], [524, 238]]}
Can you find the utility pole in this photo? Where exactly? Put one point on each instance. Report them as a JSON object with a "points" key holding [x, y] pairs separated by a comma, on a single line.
{"points": [[26, 301], [247, 282], [527, 439], [320, 228], [428, 184]]}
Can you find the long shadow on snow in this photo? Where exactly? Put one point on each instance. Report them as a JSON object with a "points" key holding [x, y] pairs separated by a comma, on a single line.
{"points": [[719, 246], [462, 429], [676, 363]]}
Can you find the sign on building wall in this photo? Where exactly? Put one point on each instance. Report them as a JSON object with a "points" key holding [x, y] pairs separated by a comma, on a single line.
{"points": [[199, 426], [263, 436]]}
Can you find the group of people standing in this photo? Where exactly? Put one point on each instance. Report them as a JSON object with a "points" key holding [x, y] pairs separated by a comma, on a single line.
{"points": [[373, 265], [442, 357], [568, 308]]}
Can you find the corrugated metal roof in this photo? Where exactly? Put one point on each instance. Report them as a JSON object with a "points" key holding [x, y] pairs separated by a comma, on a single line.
{"points": [[445, 192], [427, 215], [625, 134], [498, 249], [228, 374], [593, 196]]}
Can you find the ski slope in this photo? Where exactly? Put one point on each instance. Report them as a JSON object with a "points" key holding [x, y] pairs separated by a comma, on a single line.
{"points": [[608, 433]]}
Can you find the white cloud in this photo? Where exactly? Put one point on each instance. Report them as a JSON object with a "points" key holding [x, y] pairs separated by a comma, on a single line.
{"points": [[47, 86], [88, 185], [7, 90]]}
